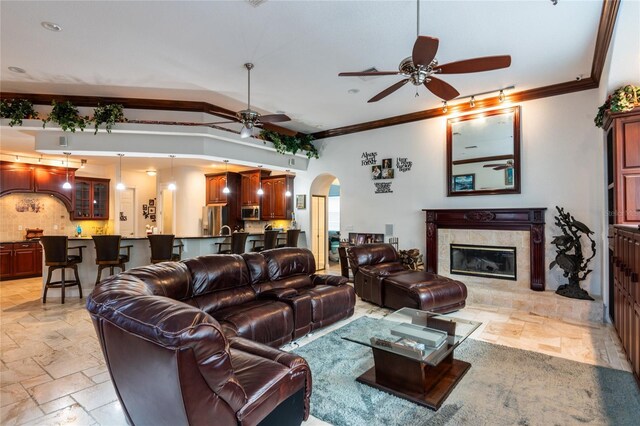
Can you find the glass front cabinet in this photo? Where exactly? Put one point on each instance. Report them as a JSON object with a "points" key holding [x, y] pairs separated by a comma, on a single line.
{"points": [[91, 199]]}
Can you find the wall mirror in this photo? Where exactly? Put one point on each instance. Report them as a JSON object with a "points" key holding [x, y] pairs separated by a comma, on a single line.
{"points": [[483, 153]]}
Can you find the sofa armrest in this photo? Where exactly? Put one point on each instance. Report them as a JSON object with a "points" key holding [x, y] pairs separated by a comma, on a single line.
{"points": [[383, 269], [278, 293], [334, 280]]}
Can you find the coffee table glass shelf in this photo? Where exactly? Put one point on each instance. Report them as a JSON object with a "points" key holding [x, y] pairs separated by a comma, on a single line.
{"points": [[413, 354]]}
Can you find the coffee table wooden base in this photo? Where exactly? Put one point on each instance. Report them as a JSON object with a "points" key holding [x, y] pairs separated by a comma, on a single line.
{"points": [[412, 380]]}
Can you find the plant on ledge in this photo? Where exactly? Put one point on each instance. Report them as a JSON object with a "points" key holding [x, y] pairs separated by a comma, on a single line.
{"points": [[290, 144], [569, 255], [67, 116], [17, 110], [109, 115], [622, 100]]}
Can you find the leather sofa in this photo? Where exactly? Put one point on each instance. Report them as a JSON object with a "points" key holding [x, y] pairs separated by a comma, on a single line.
{"points": [[193, 342], [380, 278]]}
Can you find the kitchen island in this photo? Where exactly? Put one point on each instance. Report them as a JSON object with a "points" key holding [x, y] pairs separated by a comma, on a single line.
{"points": [[140, 256]]}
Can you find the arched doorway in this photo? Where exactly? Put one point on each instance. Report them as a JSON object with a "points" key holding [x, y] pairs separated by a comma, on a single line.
{"points": [[325, 221]]}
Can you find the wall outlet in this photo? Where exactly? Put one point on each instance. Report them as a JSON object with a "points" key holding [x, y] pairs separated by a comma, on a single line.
{"points": [[19, 227]]}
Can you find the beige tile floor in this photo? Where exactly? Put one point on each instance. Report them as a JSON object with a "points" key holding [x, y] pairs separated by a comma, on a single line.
{"points": [[52, 371]]}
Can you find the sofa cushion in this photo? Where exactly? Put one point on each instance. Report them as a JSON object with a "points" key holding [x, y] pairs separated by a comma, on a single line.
{"points": [[425, 291], [265, 321], [169, 279], [329, 302], [371, 254], [286, 262]]}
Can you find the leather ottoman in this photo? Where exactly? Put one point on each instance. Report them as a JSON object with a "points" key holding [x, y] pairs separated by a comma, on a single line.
{"points": [[425, 291]]}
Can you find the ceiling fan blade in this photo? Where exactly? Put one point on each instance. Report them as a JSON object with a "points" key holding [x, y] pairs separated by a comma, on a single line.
{"points": [[274, 118], [277, 129], [424, 50], [486, 63], [365, 74], [441, 89], [389, 90], [500, 167], [494, 165]]}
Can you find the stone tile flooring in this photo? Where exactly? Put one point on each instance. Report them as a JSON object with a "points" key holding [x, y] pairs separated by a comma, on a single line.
{"points": [[52, 371]]}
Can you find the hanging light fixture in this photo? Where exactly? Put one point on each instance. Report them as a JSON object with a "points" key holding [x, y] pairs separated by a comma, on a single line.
{"points": [[226, 189], [444, 106], [288, 193], [172, 185], [66, 184], [260, 191], [83, 163], [120, 186]]}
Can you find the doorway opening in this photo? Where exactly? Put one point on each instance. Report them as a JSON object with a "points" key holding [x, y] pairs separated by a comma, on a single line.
{"points": [[167, 214], [325, 221]]}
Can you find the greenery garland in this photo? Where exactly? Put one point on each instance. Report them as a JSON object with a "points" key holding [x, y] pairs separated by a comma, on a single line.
{"points": [[622, 100], [290, 144], [67, 116], [109, 115], [17, 110]]}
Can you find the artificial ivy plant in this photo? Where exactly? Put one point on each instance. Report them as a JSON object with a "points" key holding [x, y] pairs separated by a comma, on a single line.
{"points": [[67, 116], [622, 100], [17, 110], [109, 115], [290, 144]]}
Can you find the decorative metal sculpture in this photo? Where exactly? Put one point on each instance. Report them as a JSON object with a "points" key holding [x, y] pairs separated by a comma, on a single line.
{"points": [[570, 257], [411, 259]]}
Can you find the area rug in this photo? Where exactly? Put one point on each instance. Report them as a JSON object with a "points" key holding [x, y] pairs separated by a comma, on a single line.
{"points": [[504, 386]]}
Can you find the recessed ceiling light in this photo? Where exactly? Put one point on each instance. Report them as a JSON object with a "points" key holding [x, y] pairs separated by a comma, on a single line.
{"points": [[17, 70], [51, 26], [151, 172], [353, 91]]}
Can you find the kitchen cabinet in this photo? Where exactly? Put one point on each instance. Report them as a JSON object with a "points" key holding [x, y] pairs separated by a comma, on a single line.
{"points": [[249, 186], [215, 184], [275, 204], [16, 177], [91, 199], [21, 260]]}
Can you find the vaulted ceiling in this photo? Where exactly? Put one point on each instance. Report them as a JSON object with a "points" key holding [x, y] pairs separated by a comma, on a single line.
{"points": [[196, 51]]}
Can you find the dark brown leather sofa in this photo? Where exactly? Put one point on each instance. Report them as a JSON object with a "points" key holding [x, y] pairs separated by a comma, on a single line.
{"points": [[192, 342], [380, 278]]}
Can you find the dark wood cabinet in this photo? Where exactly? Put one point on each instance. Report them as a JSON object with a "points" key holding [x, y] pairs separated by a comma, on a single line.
{"points": [[249, 186], [16, 177], [215, 185], [275, 203], [622, 132], [91, 199], [626, 292], [20, 260]]}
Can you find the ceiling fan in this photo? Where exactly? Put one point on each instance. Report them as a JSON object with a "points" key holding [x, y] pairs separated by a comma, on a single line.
{"points": [[420, 67], [251, 119], [501, 166]]}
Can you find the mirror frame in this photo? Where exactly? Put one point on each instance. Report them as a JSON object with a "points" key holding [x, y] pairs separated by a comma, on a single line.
{"points": [[516, 153]]}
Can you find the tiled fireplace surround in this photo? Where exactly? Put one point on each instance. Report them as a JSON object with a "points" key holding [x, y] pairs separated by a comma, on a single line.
{"points": [[507, 293]]}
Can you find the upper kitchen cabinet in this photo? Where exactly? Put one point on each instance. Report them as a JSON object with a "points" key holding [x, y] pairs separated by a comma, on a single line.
{"points": [[275, 203], [91, 199], [250, 185], [216, 184], [20, 177]]}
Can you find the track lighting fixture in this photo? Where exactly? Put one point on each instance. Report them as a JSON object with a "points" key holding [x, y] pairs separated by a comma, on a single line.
{"points": [[501, 96], [172, 185], [120, 186], [444, 106], [226, 189], [472, 102], [66, 184], [83, 163]]}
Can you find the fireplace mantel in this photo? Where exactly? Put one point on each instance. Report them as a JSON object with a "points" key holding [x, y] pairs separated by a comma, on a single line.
{"points": [[531, 220]]}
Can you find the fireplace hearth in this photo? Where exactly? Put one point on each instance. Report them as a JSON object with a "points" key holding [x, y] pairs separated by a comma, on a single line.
{"points": [[483, 261]]}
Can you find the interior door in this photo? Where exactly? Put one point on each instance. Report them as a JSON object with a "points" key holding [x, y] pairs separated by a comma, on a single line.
{"points": [[127, 214], [319, 234], [167, 211]]}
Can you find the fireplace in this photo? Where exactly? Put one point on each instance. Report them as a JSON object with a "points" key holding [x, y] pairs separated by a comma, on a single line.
{"points": [[483, 261]]}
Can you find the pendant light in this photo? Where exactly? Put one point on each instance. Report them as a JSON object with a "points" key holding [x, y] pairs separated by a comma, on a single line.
{"points": [[260, 191], [66, 184], [226, 189], [120, 186], [172, 185], [288, 193]]}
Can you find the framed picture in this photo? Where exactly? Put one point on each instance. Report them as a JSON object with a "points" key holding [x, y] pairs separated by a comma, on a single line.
{"points": [[376, 172], [152, 217], [152, 210], [386, 163], [464, 182], [301, 202], [508, 176], [152, 201], [387, 173]]}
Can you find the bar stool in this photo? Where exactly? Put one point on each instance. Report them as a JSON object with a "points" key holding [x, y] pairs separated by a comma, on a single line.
{"points": [[56, 256], [237, 244], [269, 241], [108, 253], [162, 248], [292, 238]]}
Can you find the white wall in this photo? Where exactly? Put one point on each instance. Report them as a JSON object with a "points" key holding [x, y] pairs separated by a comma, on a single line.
{"points": [[561, 165], [189, 198]]}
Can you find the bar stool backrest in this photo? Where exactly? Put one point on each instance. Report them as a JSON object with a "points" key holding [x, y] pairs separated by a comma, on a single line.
{"points": [[55, 249], [107, 247], [238, 242], [161, 246], [292, 237], [270, 239]]}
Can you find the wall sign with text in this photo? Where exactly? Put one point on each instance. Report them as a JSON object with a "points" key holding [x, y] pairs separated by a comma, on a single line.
{"points": [[384, 170]]}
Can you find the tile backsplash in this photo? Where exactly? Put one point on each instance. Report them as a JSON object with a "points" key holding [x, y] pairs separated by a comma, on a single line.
{"points": [[28, 210]]}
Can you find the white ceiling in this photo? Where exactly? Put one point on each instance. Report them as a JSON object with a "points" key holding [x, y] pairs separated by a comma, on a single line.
{"points": [[196, 50]]}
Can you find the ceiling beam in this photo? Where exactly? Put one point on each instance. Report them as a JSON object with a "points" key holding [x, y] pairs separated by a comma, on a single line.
{"points": [[603, 39]]}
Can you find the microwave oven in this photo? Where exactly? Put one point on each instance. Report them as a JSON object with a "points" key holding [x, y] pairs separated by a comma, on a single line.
{"points": [[250, 213]]}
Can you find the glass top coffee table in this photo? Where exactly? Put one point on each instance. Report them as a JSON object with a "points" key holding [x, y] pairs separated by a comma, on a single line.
{"points": [[413, 355]]}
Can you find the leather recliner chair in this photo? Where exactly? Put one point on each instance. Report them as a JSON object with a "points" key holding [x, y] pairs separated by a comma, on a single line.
{"points": [[370, 264]]}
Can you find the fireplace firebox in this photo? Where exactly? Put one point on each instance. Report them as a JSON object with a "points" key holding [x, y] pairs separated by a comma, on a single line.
{"points": [[483, 261]]}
